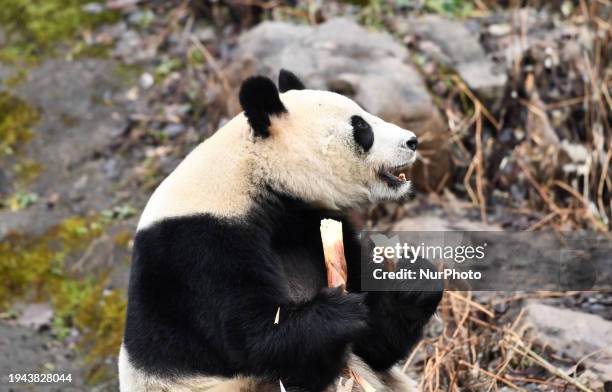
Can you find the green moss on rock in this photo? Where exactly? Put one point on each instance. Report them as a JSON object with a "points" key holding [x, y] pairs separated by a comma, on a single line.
{"points": [[33, 266], [100, 318], [16, 120], [34, 269], [35, 27], [26, 171], [18, 77]]}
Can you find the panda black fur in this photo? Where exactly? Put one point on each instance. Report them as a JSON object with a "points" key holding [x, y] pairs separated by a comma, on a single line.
{"points": [[233, 234]]}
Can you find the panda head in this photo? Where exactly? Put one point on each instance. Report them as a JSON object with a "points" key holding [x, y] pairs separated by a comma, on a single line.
{"points": [[322, 147]]}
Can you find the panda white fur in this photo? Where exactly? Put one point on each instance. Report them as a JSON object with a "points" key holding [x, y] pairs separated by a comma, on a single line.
{"points": [[232, 234]]}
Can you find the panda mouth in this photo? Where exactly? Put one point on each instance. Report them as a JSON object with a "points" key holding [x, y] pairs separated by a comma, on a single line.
{"points": [[394, 177]]}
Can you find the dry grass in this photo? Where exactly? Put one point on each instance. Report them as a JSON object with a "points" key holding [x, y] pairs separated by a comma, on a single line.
{"points": [[547, 147], [480, 351]]}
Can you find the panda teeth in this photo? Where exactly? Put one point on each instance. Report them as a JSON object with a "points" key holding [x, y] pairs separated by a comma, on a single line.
{"points": [[393, 177]]}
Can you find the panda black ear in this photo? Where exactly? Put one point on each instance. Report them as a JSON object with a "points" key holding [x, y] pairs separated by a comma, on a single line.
{"points": [[288, 81], [259, 99]]}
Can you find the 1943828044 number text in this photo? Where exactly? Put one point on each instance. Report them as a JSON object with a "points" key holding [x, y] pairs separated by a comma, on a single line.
{"points": [[34, 378]]}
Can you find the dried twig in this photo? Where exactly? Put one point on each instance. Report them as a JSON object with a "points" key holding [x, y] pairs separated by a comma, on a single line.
{"points": [[528, 352], [214, 66], [472, 303], [602, 182], [541, 191], [492, 375], [465, 89], [479, 157]]}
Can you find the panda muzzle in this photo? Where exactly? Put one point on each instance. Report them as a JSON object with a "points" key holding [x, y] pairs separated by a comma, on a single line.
{"points": [[394, 177]]}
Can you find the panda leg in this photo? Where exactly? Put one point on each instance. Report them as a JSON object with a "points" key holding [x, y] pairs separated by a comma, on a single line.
{"points": [[213, 384], [242, 385], [392, 380], [395, 380]]}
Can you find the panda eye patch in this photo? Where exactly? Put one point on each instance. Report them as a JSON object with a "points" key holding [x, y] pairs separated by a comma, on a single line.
{"points": [[362, 132]]}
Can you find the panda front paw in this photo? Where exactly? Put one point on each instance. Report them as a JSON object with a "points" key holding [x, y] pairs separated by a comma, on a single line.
{"points": [[347, 311], [422, 296], [419, 304]]}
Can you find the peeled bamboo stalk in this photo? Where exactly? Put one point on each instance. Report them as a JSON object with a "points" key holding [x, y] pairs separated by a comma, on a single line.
{"points": [[337, 274], [333, 249]]}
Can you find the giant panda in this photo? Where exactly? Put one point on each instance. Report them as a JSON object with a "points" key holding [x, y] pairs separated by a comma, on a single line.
{"points": [[232, 235]]}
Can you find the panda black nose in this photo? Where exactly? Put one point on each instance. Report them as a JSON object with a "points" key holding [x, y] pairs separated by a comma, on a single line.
{"points": [[412, 143]]}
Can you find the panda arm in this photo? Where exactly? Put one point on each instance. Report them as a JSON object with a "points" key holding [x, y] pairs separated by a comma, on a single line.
{"points": [[395, 325], [396, 318], [307, 348]]}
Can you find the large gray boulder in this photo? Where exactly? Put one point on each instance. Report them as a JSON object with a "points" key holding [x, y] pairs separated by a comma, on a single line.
{"points": [[369, 67], [578, 335], [453, 44], [75, 129]]}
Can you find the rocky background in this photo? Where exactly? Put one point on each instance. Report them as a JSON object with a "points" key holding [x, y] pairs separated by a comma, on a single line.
{"points": [[99, 101]]}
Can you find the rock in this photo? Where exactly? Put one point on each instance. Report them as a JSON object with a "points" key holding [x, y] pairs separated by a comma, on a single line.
{"points": [[591, 379], [132, 49], [450, 42], [74, 129], [36, 316], [500, 29], [173, 130], [371, 68], [509, 35], [93, 8], [141, 18], [121, 4], [6, 185], [111, 170], [205, 34], [34, 220], [28, 350], [576, 334], [436, 223], [146, 80]]}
